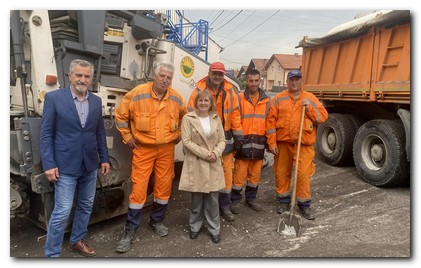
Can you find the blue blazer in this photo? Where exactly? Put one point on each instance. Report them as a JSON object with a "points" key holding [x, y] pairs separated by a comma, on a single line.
{"points": [[63, 141]]}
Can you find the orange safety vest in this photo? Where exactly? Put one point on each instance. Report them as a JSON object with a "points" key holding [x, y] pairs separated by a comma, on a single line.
{"points": [[142, 116], [253, 120], [284, 117], [228, 108]]}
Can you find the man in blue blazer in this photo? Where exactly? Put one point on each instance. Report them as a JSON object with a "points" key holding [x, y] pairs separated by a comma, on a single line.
{"points": [[72, 144]]}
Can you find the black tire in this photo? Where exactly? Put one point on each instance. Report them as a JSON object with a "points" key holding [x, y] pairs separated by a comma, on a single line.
{"points": [[334, 140], [355, 120], [379, 153]]}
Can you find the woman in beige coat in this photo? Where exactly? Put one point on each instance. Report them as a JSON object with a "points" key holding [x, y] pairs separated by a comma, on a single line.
{"points": [[203, 138]]}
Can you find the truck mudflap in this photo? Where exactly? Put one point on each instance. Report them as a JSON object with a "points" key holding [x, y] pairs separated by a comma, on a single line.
{"points": [[406, 120]]}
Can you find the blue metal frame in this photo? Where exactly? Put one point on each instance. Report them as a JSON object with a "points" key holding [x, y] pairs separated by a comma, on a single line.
{"points": [[193, 36]]}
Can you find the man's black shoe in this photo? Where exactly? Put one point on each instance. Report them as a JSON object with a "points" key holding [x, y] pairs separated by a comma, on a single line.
{"points": [[306, 212]]}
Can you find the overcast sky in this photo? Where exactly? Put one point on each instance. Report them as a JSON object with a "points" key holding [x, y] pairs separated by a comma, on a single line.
{"points": [[244, 31], [247, 34]]}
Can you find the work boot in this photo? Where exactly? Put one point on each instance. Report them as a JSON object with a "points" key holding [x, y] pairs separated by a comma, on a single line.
{"points": [[227, 215], [129, 235], [283, 207], [235, 207], [306, 212], [159, 228], [254, 206]]}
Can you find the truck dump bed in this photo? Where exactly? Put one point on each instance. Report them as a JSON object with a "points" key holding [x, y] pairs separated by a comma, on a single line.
{"points": [[365, 60]]}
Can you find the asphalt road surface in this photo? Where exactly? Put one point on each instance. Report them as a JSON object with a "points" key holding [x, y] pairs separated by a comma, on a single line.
{"points": [[353, 219]]}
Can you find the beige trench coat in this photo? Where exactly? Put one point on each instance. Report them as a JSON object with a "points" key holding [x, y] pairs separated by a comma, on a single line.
{"points": [[199, 175]]}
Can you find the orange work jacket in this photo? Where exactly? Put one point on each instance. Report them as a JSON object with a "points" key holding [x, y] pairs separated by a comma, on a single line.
{"points": [[253, 121], [284, 117], [142, 116]]}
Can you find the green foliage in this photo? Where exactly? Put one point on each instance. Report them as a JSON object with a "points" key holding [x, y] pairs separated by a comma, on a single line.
{"points": [[243, 82]]}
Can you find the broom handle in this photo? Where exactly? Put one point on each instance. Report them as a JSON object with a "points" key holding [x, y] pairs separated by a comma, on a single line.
{"points": [[296, 163]]}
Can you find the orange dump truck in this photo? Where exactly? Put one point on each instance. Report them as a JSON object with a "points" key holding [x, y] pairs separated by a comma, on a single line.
{"points": [[361, 72]]}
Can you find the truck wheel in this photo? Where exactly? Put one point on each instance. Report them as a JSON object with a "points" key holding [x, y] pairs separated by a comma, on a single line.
{"points": [[379, 153], [334, 140], [355, 120]]}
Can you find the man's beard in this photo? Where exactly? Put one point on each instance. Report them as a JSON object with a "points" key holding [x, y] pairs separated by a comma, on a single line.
{"points": [[81, 89]]}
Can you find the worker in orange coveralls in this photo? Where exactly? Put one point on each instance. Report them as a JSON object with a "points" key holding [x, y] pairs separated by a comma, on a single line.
{"points": [[227, 106], [149, 119], [249, 156], [283, 127]]}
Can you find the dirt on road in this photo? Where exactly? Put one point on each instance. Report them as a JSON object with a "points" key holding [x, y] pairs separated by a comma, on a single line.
{"points": [[353, 219]]}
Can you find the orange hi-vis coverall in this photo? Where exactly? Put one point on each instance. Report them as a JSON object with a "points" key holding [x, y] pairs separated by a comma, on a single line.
{"points": [[249, 156], [283, 127], [155, 125], [228, 108]]}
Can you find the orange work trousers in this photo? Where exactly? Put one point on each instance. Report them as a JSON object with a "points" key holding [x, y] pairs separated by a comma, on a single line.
{"points": [[227, 165], [247, 171], [283, 167], [160, 160]]}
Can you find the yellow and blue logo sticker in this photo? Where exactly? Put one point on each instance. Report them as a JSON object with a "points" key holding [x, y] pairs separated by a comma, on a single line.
{"points": [[187, 66]]}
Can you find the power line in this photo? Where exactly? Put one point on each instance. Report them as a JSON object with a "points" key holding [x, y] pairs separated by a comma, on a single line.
{"points": [[260, 45], [216, 17], [231, 61], [228, 21], [240, 24], [211, 15], [253, 29]]}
